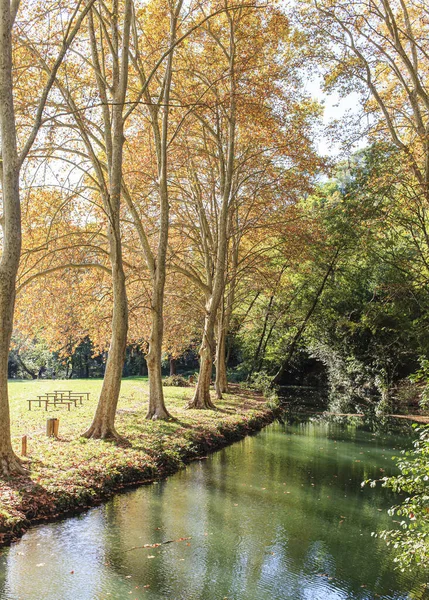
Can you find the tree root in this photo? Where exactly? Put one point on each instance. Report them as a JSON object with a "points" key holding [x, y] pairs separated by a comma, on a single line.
{"points": [[158, 415], [197, 404], [10, 465], [101, 432]]}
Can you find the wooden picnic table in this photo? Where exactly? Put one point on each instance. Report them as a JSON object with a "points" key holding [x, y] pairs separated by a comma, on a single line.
{"points": [[70, 395], [46, 400], [62, 397]]}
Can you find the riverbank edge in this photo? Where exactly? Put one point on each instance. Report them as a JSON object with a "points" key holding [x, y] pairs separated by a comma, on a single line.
{"points": [[64, 504]]}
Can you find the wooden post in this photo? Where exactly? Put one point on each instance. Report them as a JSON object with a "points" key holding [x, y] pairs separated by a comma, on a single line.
{"points": [[52, 427], [24, 446]]}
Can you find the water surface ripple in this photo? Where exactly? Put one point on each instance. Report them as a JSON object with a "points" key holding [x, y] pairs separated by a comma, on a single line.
{"points": [[279, 516]]}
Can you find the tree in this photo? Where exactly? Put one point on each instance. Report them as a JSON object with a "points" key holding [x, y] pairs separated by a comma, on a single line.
{"points": [[243, 144], [378, 48], [11, 162], [113, 121], [367, 326], [102, 137], [103, 141], [159, 111]]}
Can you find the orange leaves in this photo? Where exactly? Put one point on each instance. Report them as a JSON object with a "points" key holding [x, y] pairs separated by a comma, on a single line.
{"points": [[238, 64]]}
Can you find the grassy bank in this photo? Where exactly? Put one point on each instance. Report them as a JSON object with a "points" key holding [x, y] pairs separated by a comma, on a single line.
{"points": [[70, 473]]}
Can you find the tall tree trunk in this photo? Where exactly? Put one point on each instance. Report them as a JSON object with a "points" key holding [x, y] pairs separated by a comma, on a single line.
{"points": [[201, 397], [157, 264], [9, 462], [103, 425], [227, 304], [10, 221], [221, 384], [11, 224], [157, 408], [173, 369]]}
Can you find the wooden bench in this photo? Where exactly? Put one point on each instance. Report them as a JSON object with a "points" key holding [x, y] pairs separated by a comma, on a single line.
{"points": [[72, 396], [61, 397], [38, 399], [47, 400]]}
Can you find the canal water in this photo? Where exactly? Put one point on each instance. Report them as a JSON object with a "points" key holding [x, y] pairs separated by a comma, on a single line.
{"points": [[278, 516]]}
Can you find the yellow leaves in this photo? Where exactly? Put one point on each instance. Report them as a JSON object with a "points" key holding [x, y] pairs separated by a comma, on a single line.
{"points": [[272, 143], [378, 49]]}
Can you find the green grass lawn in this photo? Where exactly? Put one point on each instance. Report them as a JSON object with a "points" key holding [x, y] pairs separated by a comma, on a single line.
{"points": [[133, 396], [70, 473]]}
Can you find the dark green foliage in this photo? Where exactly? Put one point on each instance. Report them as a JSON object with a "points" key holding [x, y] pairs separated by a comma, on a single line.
{"points": [[176, 381], [32, 359], [369, 325]]}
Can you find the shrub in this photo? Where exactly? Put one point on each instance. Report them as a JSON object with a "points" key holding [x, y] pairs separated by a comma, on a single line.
{"points": [[262, 382], [422, 377], [412, 538], [175, 381]]}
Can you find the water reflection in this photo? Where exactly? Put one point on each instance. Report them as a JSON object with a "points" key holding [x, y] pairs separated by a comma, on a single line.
{"points": [[278, 516]]}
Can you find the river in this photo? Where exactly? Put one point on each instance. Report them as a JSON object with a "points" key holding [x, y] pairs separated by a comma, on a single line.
{"points": [[281, 515]]}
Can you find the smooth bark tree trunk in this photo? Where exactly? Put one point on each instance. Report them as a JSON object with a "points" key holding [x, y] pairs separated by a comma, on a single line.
{"points": [[10, 220], [173, 369], [207, 351], [11, 224], [157, 264], [9, 462], [216, 276], [201, 397], [221, 384], [103, 425], [157, 408]]}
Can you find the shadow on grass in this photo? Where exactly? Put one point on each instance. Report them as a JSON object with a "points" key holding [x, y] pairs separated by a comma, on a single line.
{"points": [[35, 500]]}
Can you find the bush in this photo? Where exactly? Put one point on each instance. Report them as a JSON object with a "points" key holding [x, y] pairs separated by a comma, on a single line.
{"points": [[422, 377], [412, 539], [262, 382], [407, 396], [175, 381]]}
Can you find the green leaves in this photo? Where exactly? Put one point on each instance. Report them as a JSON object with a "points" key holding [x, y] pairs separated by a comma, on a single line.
{"points": [[411, 540]]}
